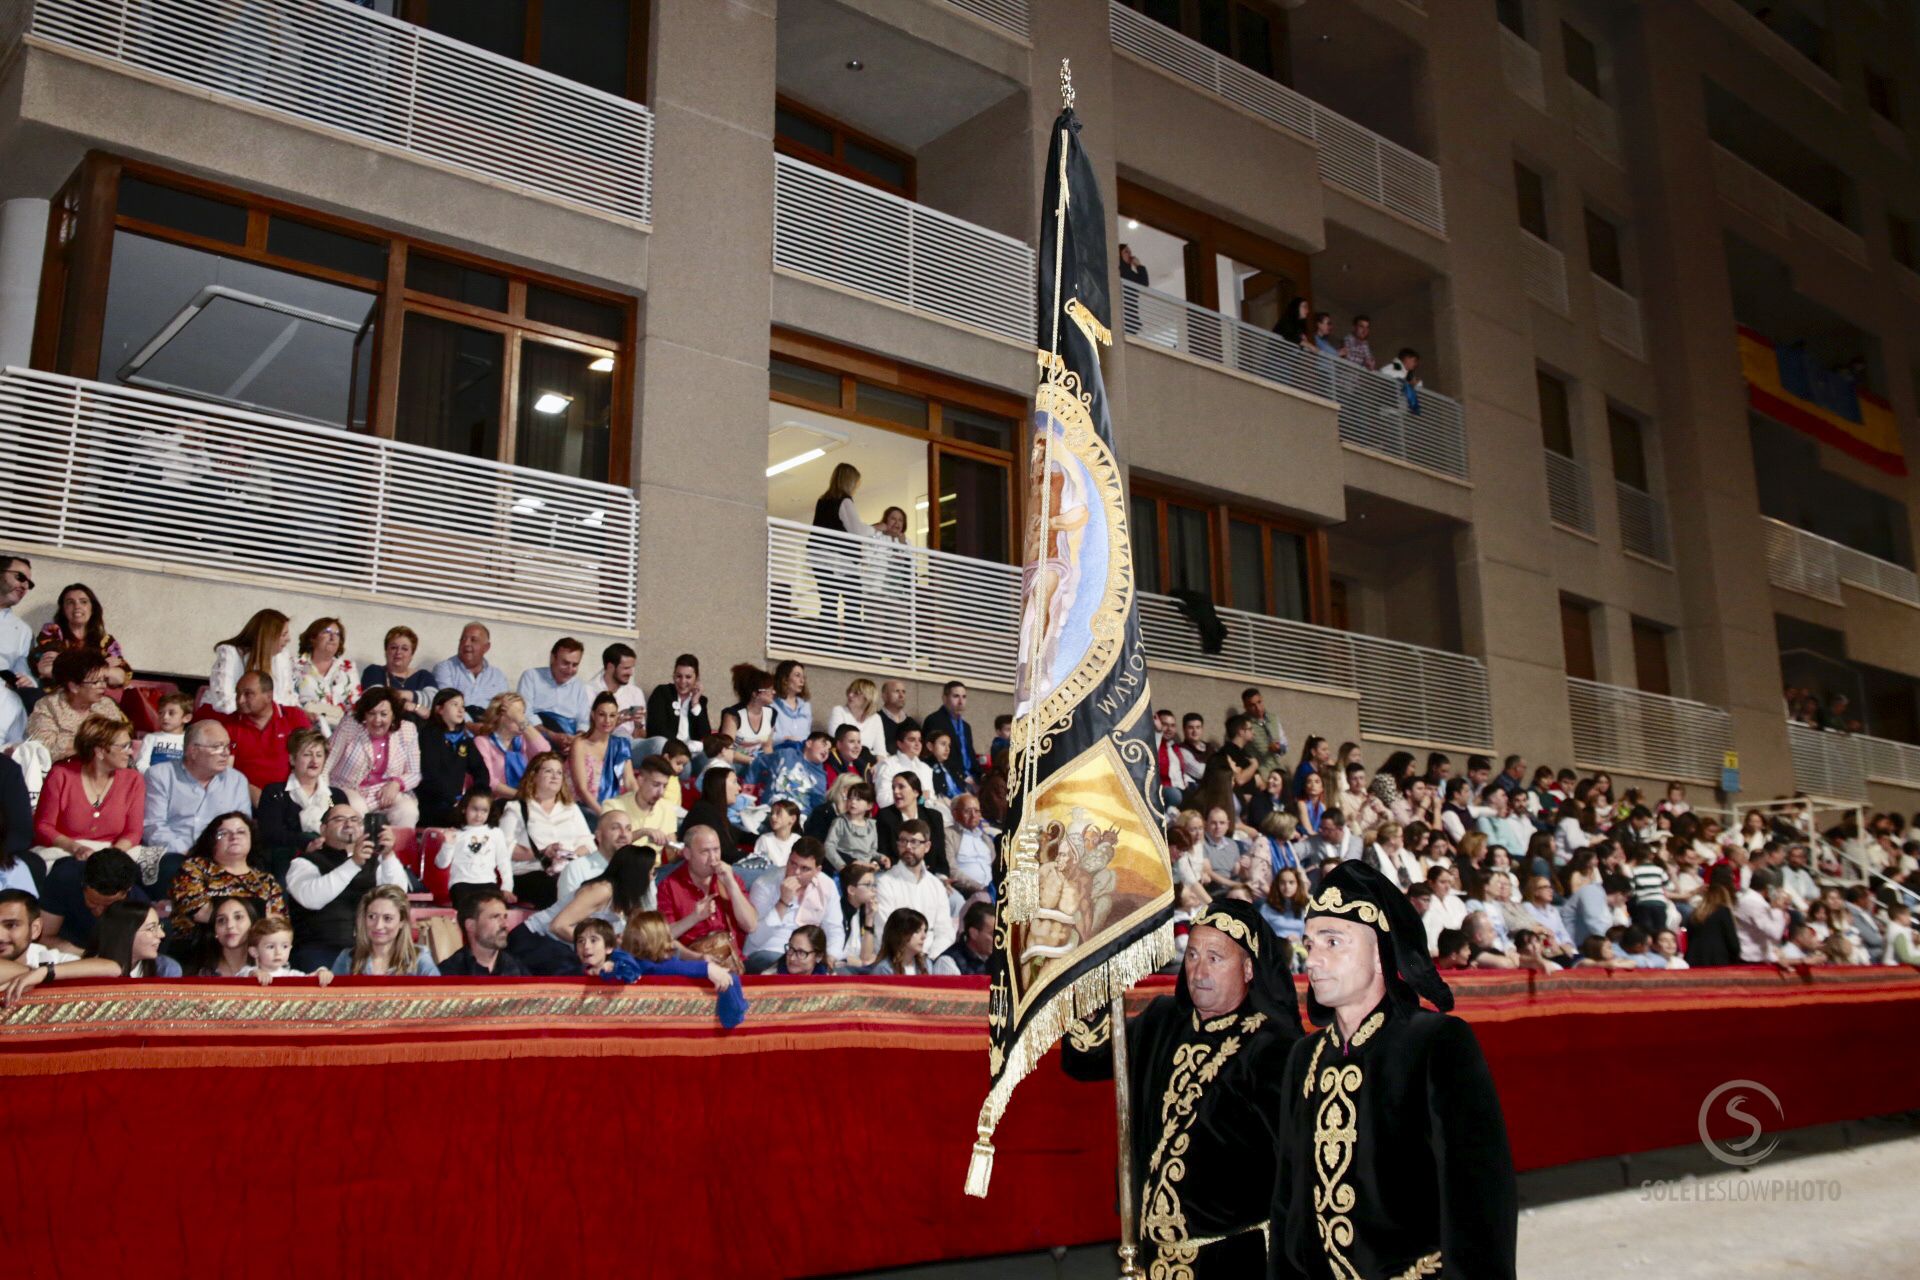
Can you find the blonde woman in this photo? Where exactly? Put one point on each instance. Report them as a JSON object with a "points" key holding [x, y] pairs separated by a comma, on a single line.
{"points": [[545, 828], [383, 945], [862, 711], [507, 742], [835, 561]]}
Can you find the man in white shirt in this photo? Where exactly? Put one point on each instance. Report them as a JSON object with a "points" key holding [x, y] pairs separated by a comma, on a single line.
{"points": [[16, 639], [20, 942], [557, 695], [614, 833], [1502, 826], [788, 898], [905, 760], [324, 887], [1447, 910], [468, 670], [909, 884], [616, 677], [1760, 915], [970, 843]]}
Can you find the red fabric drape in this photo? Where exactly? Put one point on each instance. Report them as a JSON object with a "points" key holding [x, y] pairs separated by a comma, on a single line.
{"points": [[460, 1129]]}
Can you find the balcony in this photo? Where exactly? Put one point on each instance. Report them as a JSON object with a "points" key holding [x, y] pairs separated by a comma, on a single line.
{"points": [[1594, 122], [340, 68], [1373, 409], [1520, 64], [1649, 735], [925, 614], [1815, 566], [1569, 493], [1643, 523], [1795, 61], [1780, 210], [1351, 158], [847, 233], [218, 491], [1617, 313], [1009, 15], [1543, 272], [1828, 766]]}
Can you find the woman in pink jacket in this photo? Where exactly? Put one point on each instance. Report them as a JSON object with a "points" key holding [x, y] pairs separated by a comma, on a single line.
{"points": [[375, 758]]}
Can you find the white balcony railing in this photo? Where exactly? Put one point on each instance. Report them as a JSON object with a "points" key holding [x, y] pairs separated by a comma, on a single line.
{"points": [[346, 69], [1780, 210], [1643, 523], [916, 612], [1827, 766], [854, 235], [1543, 272], [98, 470], [1569, 492], [1895, 763], [1520, 63], [1648, 734], [1374, 413], [1816, 566], [1352, 158], [1009, 15], [1617, 313], [1594, 121]]}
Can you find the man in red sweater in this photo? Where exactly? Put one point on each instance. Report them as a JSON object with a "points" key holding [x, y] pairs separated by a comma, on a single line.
{"points": [[259, 728]]}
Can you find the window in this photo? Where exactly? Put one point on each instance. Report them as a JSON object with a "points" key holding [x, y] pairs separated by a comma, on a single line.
{"points": [[1512, 15], [1629, 449], [601, 43], [1603, 250], [805, 134], [1556, 416], [1235, 557], [215, 294], [1650, 670], [1583, 59], [1531, 190], [941, 450], [1882, 96], [1900, 242], [1250, 33], [1208, 261], [1576, 638]]}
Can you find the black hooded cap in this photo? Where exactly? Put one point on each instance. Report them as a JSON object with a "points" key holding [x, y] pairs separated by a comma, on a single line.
{"points": [[1271, 992], [1357, 892]]}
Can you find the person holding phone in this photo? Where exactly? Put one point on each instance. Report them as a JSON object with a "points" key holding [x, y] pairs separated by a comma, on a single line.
{"points": [[327, 884]]}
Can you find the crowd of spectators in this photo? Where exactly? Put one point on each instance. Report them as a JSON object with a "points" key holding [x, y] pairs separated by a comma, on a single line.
{"points": [[284, 821]]}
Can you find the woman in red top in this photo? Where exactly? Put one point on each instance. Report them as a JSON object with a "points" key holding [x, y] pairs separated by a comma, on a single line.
{"points": [[95, 797]]}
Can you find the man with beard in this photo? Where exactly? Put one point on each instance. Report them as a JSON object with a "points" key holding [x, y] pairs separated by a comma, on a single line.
{"points": [[1205, 1068], [1393, 1159]]}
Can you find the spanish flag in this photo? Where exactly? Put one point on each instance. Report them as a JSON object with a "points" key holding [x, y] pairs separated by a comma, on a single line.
{"points": [[1788, 386]]}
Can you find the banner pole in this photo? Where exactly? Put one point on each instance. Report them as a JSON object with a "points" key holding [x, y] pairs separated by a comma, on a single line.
{"points": [[1123, 1121]]}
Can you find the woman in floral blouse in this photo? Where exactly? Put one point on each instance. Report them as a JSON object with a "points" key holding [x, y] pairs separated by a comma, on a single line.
{"points": [[220, 865], [325, 683]]}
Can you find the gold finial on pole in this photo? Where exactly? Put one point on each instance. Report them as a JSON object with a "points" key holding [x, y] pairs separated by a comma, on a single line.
{"points": [[1066, 84]]}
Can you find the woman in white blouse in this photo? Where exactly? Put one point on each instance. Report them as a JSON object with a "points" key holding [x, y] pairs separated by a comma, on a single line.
{"points": [[261, 645], [546, 829], [862, 711], [325, 684], [754, 711]]}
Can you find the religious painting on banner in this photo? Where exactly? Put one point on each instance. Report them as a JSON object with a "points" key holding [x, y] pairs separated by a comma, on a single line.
{"points": [[1086, 891]]}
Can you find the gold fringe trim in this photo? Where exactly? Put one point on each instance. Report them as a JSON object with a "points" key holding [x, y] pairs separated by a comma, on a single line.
{"points": [[1091, 993], [1097, 333], [1051, 361]]}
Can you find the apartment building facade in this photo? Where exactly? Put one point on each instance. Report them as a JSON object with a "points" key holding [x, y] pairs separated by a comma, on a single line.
{"points": [[560, 314]]}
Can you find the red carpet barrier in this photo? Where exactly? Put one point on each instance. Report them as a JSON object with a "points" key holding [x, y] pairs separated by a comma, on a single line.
{"points": [[456, 1128]]}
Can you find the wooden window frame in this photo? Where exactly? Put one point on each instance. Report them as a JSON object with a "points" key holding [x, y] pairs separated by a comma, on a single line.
{"points": [[853, 367], [73, 293], [1209, 238], [835, 161], [1219, 517], [639, 35]]}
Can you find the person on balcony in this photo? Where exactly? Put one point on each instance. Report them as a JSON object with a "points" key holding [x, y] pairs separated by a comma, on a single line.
{"points": [[556, 695], [262, 731], [1356, 349], [80, 680], [1296, 322], [468, 670], [414, 686], [836, 563], [261, 645], [375, 758], [1405, 370], [79, 623], [1132, 270], [325, 682]]}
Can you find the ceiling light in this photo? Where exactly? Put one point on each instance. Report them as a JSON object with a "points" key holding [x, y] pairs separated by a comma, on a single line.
{"points": [[854, 64], [920, 505], [798, 459], [552, 402], [1133, 224], [603, 365]]}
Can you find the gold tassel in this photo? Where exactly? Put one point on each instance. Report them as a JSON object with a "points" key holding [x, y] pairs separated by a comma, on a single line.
{"points": [[980, 1167], [1023, 875]]}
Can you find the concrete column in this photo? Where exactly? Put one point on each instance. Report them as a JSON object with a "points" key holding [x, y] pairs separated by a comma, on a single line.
{"points": [[699, 465], [23, 244]]}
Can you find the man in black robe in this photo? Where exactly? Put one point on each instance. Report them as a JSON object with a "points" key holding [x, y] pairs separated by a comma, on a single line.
{"points": [[1205, 1067], [1393, 1160]]}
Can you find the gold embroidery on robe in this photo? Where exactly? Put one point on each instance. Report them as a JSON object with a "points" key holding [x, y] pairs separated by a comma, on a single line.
{"points": [[1163, 1222]]}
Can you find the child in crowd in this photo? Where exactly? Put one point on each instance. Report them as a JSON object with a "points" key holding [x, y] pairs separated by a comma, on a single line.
{"points": [[854, 836], [168, 742], [1676, 802], [1002, 745], [649, 948], [776, 842], [270, 946], [680, 756], [478, 852]]}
